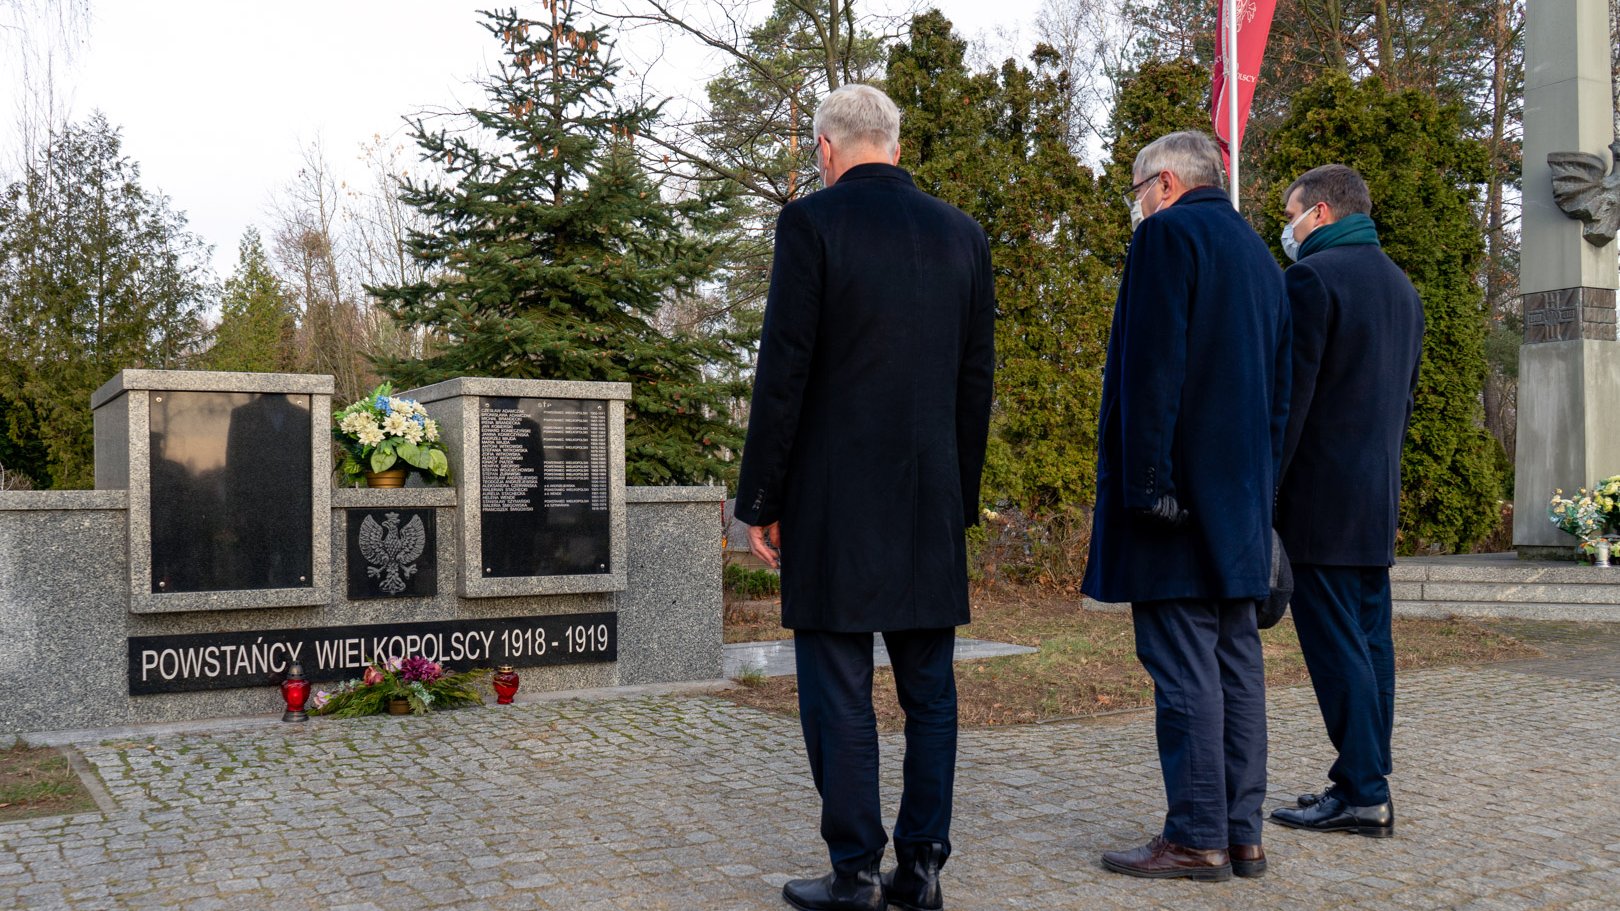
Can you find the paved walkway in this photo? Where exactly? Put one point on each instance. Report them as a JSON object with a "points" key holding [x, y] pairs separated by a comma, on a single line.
{"points": [[1505, 790]]}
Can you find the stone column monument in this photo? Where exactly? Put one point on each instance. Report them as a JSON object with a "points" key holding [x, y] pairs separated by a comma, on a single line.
{"points": [[1569, 367]]}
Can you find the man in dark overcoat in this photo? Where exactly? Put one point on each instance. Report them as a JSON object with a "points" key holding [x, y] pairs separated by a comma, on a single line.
{"points": [[866, 438], [1358, 340], [1194, 402]]}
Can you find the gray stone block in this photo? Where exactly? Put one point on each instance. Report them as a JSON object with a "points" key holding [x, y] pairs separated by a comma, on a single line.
{"points": [[122, 412], [670, 614], [454, 405]]}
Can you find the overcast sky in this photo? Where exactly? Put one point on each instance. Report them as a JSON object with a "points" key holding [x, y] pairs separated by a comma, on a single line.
{"points": [[216, 100]]}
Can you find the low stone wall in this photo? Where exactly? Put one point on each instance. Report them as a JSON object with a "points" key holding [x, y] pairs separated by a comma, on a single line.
{"points": [[1501, 585], [65, 617]]}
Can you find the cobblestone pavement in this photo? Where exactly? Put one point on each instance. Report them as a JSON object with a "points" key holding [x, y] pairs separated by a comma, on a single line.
{"points": [[1505, 793]]}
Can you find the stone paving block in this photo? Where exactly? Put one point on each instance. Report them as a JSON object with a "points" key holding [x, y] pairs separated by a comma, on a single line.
{"points": [[695, 804]]}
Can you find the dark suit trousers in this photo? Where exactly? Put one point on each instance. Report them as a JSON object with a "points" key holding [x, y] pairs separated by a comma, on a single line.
{"points": [[840, 734], [1209, 690], [1343, 616]]}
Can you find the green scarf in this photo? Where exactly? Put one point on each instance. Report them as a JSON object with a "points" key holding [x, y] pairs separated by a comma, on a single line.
{"points": [[1351, 229]]}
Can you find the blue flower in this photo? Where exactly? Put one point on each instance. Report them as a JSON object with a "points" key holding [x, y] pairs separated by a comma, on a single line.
{"points": [[420, 421], [382, 403]]}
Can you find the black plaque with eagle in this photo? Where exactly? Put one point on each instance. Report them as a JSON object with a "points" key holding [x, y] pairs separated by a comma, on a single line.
{"points": [[392, 554]]}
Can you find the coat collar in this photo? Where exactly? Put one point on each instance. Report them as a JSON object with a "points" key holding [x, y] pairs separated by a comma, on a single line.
{"points": [[876, 169], [1205, 194]]}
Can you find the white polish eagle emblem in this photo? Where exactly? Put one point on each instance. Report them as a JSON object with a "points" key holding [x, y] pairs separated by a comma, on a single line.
{"points": [[391, 552]]}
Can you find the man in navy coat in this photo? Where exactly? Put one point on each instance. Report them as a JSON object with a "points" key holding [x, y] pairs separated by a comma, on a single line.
{"points": [[1195, 396], [866, 438], [1358, 339]]}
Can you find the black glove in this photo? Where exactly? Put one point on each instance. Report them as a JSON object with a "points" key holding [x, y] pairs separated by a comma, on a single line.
{"points": [[1166, 513]]}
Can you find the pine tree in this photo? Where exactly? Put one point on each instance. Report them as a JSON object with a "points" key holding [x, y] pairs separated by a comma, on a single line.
{"points": [[1423, 174], [256, 324], [995, 144], [551, 251]]}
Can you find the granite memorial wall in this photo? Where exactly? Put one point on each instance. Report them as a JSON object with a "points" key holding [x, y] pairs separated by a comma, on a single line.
{"points": [[215, 552]]}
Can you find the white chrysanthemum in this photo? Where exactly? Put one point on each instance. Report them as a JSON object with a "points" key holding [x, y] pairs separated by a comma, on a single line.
{"points": [[399, 406], [432, 430], [416, 408], [370, 436], [353, 422], [413, 431], [395, 424]]}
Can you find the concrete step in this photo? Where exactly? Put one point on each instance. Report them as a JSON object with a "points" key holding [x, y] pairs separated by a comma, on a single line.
{"points": [[1501, 585]]}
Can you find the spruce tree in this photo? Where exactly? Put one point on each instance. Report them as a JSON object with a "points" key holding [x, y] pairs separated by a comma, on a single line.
{"points": [[1423, 174], [256, 324], [551, 251]]}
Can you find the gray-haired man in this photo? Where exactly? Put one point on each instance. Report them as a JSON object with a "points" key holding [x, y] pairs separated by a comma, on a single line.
{"points": [[1195, 393], [872, 399]]}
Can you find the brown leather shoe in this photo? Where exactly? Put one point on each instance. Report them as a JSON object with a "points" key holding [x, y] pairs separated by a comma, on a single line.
{"points": [[1247, 860], [1160, 859]]}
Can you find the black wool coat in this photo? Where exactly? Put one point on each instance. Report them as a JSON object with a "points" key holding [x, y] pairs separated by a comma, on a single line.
{"points": [[1195, 399], [1358, 340], [866, 433]]}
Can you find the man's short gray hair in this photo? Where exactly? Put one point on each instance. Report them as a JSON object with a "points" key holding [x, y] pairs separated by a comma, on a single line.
{"points": [[859, 115], [1190, 155]]}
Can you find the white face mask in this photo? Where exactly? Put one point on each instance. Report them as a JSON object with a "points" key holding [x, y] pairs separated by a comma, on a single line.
{"points": [[1289, 244], [1136, 214]]}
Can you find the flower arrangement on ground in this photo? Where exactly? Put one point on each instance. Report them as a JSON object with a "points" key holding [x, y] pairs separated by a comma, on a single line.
{"points": [[1606, 495], [382, 430], [422, 683], [1585, 515]]}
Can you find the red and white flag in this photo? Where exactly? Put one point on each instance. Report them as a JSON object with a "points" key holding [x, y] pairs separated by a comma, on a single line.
{"points": [[1253, 27]]}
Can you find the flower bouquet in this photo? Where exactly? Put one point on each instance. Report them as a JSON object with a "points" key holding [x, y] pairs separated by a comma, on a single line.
{"points": [[1583, 516], [381, 430], [1606, 496], [422, 684]]}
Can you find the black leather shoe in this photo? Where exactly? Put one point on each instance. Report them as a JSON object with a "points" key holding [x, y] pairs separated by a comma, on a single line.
{"points": [[862, 891], [914, 884], [1332, 814], [1311, 800]]}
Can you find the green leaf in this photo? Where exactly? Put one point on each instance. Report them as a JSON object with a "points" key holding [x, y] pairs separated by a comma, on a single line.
{"points": [[382, 460], [412, 453], [437, 463]]}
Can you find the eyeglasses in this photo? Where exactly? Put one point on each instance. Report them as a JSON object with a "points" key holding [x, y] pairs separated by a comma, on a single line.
{"points": [[1130, 195]]}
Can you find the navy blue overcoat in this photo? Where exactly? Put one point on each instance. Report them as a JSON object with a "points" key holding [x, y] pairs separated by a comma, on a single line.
{"points": [[867, 429], [1358, 341], [1195, 400]]}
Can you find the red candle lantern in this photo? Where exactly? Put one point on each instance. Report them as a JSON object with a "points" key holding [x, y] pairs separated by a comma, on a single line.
{"points": [[506, 684], [295, 689]]}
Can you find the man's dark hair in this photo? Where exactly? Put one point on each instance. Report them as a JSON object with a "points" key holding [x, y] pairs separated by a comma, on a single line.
{"points": [[1335, 184]]}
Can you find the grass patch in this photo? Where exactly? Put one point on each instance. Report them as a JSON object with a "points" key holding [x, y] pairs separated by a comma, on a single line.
{"points": [[39, 782], [754, 621], [1087, 663]]}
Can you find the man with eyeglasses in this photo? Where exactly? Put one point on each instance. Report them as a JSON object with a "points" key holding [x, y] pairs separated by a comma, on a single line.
{"points": [[1358, 340], [1195, 397]]}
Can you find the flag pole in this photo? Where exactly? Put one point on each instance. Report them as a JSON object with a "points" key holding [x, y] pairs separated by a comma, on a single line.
{"points": [[1233, 75]]}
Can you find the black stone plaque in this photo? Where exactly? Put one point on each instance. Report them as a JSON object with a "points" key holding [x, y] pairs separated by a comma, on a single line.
{"points": [[392, 553], [231, 491], [544, 501], [223, 661]]}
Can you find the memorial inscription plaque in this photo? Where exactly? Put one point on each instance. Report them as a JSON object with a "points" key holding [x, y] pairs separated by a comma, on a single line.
{"points": [[544, 508], [393, 553], [231, 486], [219, 661]]}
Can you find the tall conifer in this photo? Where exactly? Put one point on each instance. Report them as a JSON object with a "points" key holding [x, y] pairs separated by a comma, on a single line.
{"points": [[551, 251]]}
